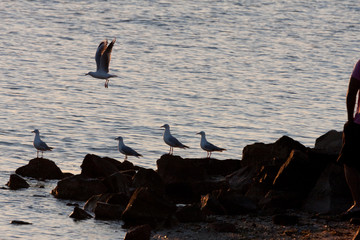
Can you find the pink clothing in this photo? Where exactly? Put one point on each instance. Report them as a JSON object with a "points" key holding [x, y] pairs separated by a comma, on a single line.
{"points": [[356, 74]]}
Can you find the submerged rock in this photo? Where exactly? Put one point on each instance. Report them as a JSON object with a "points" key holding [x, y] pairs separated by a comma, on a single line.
{"points": [[17, 182], [40, 168], [79, 214]]}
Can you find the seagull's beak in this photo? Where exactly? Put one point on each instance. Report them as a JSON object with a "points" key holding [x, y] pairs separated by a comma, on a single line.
{"points": [[86, 74], [32, 131], [198, 133], [162, 126]]}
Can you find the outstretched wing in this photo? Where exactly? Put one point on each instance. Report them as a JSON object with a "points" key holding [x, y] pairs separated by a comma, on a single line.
{"points": [[99, 52], [106, 56]]}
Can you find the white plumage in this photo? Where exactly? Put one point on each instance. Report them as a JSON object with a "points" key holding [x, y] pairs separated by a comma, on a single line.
{"points": [[39, 144], [171, 140], [207, 146], [127, 151], [102, 58]]}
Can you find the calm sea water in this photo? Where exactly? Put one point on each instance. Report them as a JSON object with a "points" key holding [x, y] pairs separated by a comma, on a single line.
{"points": [[242, 71]]}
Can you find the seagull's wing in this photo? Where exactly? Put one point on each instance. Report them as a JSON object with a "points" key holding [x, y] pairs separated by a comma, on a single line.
{"points": [[211, 147], [176, 143], [129, 151], [44, 146], [99, 52], [106, 56]]}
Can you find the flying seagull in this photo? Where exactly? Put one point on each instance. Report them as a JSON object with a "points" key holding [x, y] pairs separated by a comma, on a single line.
{"points": [[127, 151], [39, 144], [170, 140], [208, 147], [102, 58]]}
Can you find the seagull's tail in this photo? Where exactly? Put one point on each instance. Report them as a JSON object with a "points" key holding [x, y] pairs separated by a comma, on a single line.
{"points": [[184, 146]]}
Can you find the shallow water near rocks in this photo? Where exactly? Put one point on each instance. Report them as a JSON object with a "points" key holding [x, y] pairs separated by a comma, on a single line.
{"points": [[242, 71]]}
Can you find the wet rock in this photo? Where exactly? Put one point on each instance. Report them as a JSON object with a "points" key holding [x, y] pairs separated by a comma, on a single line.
{"points": [[79, 214], [94, 166], [18, 222], [141, 232], [285, 219], [108, 211], [110, 198], [40, 168], [223, 227], [277, 199], [190, 213], [150, 179], [78, 187], [17, 182], [147, 207], [117, 182]]}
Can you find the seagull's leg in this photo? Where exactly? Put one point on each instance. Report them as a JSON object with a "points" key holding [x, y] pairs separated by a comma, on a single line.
{"points": [[209, 154], [107, 83], [125, 158], [37, 153]]}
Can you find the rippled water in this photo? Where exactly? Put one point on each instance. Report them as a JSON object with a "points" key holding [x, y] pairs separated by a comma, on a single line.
{"points": [[242, 71]]}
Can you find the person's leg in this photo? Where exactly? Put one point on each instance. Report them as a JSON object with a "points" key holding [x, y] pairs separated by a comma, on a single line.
{"points": [[352, 177]]}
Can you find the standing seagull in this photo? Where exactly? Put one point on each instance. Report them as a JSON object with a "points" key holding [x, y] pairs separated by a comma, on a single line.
{"points": [[102, 58], [39, 144], [127, 151], [170, 140], [208, 147]]}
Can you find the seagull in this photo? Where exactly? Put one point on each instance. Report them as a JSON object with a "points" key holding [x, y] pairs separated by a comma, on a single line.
{"points": [[39, 144], [102, 58], [127, 151], [208, 147], [170, 140]]}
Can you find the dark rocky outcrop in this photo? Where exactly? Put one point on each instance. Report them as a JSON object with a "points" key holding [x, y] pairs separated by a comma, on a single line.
{"points": [[16, 182], [141, 232], [79, 188], [150, 179], [94, 166], [108, 211], [148, 207], [117, 183], [40, 168]]}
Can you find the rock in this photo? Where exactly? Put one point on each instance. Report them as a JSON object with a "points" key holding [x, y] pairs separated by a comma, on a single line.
{"points": [[108, 211], [357, 235], [141, 232], [298, 173], [78, 187], [210, 205], [223, 227], [117, 183], [277, 199], [40, 168], [330, 195], [176, 169], [92, 201], [260, 154], [147, 207], [262, 183], [18, 222], [150, 179], [285, 219], [17, 182], [235, 203], [94, 166], [181, 192], [331, 142], [79, 214], [190, 213], [242, 179]]}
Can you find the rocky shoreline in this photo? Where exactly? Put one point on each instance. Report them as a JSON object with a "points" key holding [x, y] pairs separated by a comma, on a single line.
{"points": [[281, 190]]}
